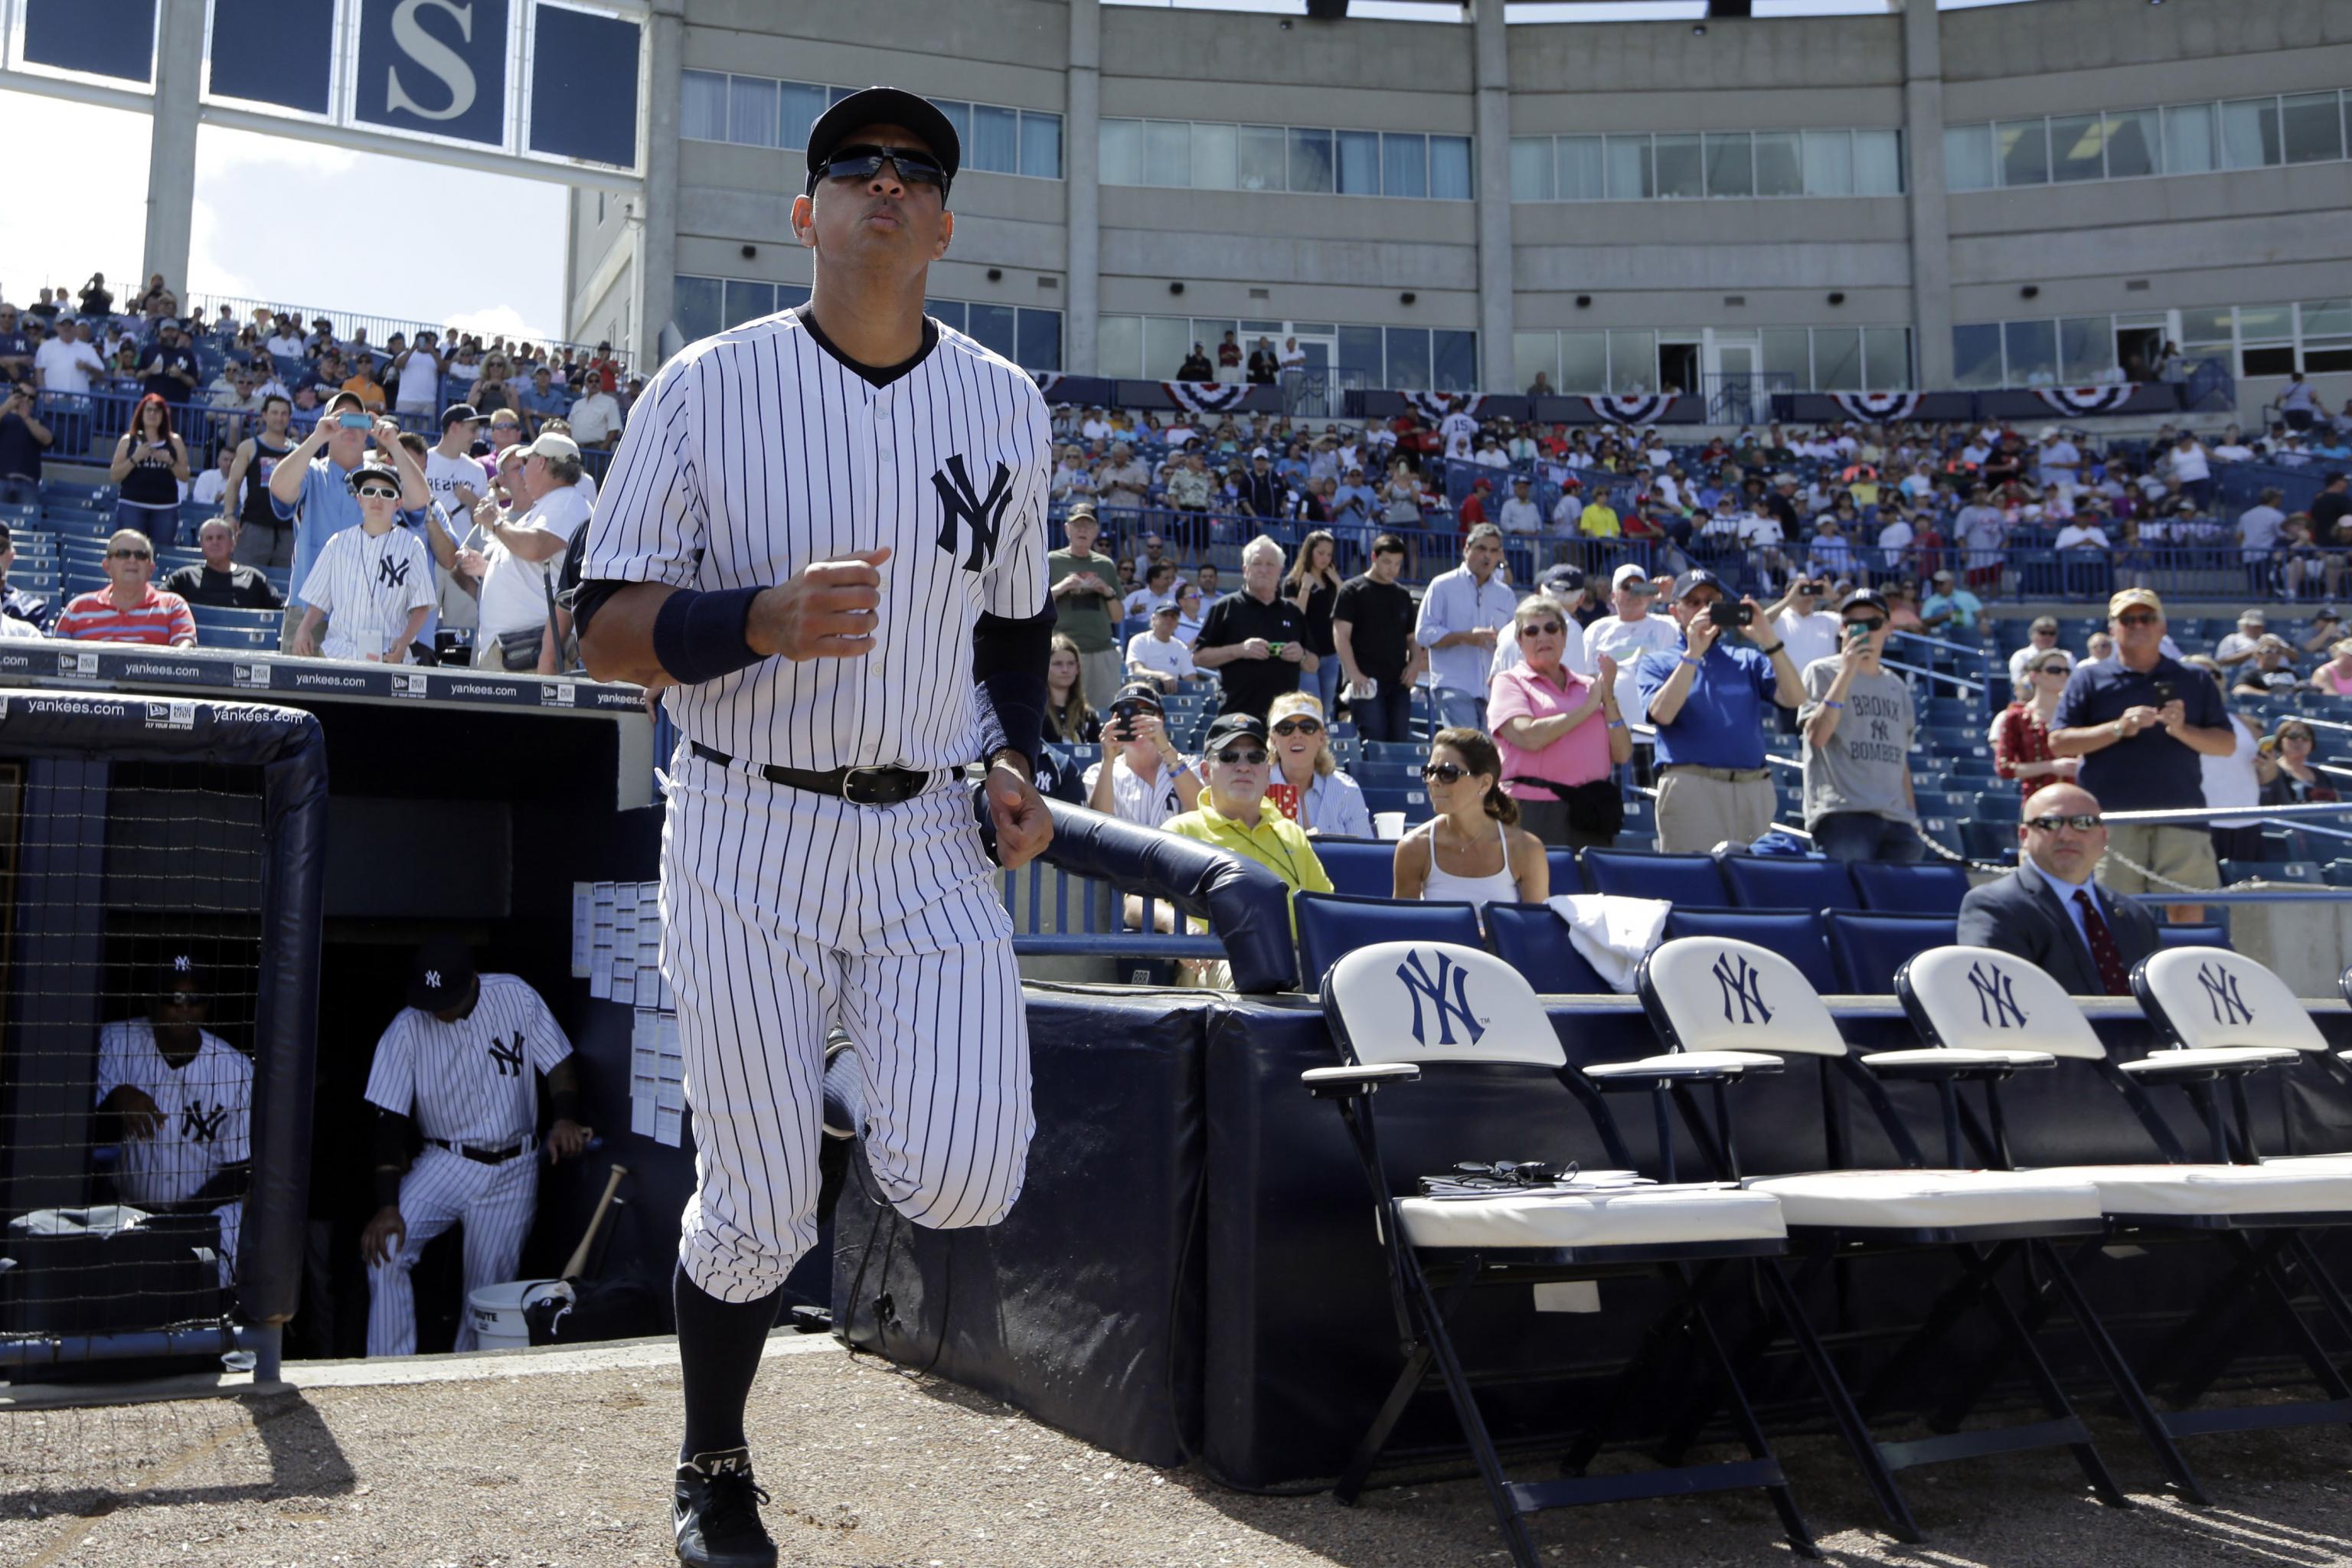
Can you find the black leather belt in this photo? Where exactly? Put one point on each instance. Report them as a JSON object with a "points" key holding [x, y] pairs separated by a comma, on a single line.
{"points": [[859, 787], [481, 1156]]}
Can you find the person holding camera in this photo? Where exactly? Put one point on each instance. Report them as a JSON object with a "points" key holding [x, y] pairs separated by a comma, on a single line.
{"points": [[312, 488], [23, 439], [1707, 700], [1858, 724], [1142, 778], [1255, 639]]}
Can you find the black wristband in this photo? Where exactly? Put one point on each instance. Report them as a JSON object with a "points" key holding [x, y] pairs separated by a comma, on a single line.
{"points": [[699, 636]]}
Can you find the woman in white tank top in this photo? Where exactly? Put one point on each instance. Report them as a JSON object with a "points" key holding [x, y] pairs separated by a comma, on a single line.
{"points": [[1472, 851]]}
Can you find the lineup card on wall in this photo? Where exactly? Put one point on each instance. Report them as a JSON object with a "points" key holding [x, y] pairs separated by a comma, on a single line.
{"points": [[616, 943], [656, 1077]]}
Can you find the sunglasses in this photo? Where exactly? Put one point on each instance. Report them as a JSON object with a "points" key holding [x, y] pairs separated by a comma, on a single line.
{"points": [[131, 555], [1299, 726], [2054, 669], [1241, 759], [377, 492], [863, 161], [2082, 823], [1868, 623], [1445, 772], [1540, 629], [2141, 618]]}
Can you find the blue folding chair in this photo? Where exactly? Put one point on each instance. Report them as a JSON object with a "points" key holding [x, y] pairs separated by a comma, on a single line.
{"points": [[1936, 887], [1680, 879], [1332, 925], [2191, 936], [1534, 941], [1359, 867], [1794, 934], [1868, 948], [1788, 882]]}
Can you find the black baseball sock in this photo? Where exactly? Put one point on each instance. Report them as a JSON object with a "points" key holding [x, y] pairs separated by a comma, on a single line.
{"points": [[718, 1354]]}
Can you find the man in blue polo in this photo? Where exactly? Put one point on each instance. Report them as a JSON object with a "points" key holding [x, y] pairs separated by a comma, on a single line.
{"points": [[1709, 699]]}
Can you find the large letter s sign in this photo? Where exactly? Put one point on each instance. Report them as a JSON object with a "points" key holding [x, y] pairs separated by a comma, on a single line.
{"points": [[434, 56]]}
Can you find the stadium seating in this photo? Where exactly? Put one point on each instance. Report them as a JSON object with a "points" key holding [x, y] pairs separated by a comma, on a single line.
{"points": [[1360, 867], [1934, 888], [1788, 882], [1534, 941], [2192, 936], [1680, 879], [1331, 925], [1868, 948], [1794, 934]]}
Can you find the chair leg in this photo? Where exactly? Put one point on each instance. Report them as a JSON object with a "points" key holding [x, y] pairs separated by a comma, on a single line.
{"points": [[1844, 1412], [1513, 1524], [1700, 1407], [2315, 1356], [1376, 1436], [2121, 1378], [1743, 1417], [1898, 1372], [2323, 1284], [2053, 1397], [1655, 1342]]}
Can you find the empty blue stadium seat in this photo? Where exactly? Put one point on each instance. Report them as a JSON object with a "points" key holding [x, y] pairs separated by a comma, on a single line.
{"points": [[1788, 882], [2000, 805], [2304, 872], [1361, 868], [1331, 925], [1534, 941], [1936, 887], [1794, 934], [2191, 936], [1683, 879], [1866, 948], [1990, 840]]}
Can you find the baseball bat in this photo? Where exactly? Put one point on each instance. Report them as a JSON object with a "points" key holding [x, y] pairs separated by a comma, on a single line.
{"points": [[579, 1259]]}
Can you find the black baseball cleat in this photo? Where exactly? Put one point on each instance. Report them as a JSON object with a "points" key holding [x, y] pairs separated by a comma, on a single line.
{"points": [[716, 1514]]}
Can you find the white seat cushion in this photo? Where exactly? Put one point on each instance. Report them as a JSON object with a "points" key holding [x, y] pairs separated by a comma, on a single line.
{"points": [[2315, 1185], [1903, 1200], [2206, 1059], [1959, 1059], [1687, 1064], [1625, 1216]]}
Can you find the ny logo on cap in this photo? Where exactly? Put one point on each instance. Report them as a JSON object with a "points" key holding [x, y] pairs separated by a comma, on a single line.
{"points": [[182, 964], [433, 979]]}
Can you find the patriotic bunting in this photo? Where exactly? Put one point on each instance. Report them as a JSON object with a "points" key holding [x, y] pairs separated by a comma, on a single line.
{"points": [[1634, 408], [1205, 396], [2103, 399], [1878, 405], [1436, 406]]}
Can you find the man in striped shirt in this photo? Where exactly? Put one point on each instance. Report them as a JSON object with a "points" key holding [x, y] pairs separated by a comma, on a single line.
{"points": [[130, 608]]}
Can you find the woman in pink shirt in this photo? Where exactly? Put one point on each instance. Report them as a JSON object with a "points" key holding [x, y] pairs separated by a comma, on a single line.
{"points": [[1560, 735]]}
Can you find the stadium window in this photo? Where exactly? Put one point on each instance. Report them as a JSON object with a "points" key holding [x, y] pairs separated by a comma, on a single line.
{"points": [[1829, 163], [2023, 148], [946, 312], [1311, 160], [802, 103], [1887, 359], [2188, 138], [995, 144], [1360, 164], [2211, 332], [995, 328], [1730, 164], [1039, 340], [1629, 169], [747, 301], [1213, 147], [959, 115], [1453, 361], [1041, 145], [1678, 166], [2311, 128], [1837, 359], [1976, 357], [1788, 351], [2250, 133], [1968, 158], [791, 296], [1264, 155], [1449, 169], [702, 106], [1532, 170], [2031, 350], [1878, 163], [1780, 163], [1167, 153], [2076, 152], [2135, 142], [2265, 340], [2327, 333], [1632, 361], [1582, 169], [1408, 351], [695, 306], [1166, 340], [1118, 346], [2087, 348], [1403, 163], [751, 110], [1120, 149], [1584, 361], [1360, 351], [1534, 354]]}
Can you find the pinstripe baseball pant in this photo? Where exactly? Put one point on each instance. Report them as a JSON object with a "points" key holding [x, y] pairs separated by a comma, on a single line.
{"points": [[494, 1203], [782, 909]]}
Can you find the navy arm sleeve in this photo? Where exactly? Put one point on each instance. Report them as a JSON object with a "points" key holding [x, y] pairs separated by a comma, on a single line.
{"points": [[1008, 665]]}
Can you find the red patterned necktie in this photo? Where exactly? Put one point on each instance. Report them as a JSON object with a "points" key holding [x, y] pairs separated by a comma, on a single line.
{"points": [[2113, 976]]}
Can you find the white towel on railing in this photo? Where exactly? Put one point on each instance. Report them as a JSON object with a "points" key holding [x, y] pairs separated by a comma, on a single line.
{"points": [[1614, 934]]}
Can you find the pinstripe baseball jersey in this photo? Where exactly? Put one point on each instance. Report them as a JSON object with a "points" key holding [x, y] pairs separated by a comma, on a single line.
{"points": [[758, 452], [366, 583], [470, 1081], [207, 1105]]}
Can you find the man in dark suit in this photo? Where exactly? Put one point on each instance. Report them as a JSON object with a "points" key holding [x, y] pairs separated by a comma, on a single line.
{"points": [[2051, 911]]}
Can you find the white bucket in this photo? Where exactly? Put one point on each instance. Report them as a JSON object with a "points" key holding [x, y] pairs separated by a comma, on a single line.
{"points": [[498, 1309], [1389, 824]]}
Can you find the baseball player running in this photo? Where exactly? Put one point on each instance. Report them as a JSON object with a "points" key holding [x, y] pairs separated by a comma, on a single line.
{"points": [[823, 534], [183, 1098], [458, 1059]]}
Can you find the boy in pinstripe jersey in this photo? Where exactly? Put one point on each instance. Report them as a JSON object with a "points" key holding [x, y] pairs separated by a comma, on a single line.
{"points": [[820, 858]]}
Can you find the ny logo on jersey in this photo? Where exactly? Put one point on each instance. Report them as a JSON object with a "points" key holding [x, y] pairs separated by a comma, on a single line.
{"points": [[961, 501], [1743, 983], [507, 1058], [2221, 993], [389, 572], [198, 1125], [1419, 983], [1996, 996]]}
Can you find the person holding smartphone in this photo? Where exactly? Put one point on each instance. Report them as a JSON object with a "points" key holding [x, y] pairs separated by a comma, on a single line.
{"points": [[1707, 700], [311, 488], [1857, 723]]}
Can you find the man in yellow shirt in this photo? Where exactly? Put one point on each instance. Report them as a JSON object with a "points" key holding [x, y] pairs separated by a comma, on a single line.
{"points": [[1599, 520], [1234, 814]]}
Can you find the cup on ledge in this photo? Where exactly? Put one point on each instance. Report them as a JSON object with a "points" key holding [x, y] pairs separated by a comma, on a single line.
{"points": [[1389, 824]]}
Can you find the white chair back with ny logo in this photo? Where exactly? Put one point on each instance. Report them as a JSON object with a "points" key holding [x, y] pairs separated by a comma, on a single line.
{"points": [[2209, 997], [1980, 999], [1713, 994], [1433, 1002]]}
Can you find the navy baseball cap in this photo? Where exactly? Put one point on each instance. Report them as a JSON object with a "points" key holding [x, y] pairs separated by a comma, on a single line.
{"points": [[176, 968], [441, 975], [885, 106], [1696, 578], [375, 468], [458, 413], [1229, 725], [1865, 599], [1562, 579], [1138, 692]]}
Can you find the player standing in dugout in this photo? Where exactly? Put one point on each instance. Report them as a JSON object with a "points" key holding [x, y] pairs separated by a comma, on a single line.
{"points": [[824, 537]]}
